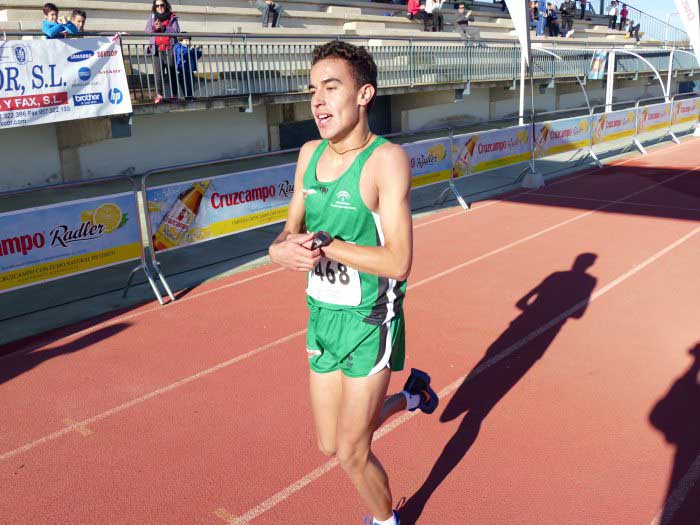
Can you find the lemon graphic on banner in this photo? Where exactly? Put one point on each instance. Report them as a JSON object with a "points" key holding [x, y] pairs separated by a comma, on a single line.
{"points": [[583, 125], [630, 116], [108, 215], [438, 151], [521, 136], [86, 216]]}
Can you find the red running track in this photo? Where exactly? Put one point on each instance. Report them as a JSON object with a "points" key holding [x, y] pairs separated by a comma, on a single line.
{"points": [[569, 393]]}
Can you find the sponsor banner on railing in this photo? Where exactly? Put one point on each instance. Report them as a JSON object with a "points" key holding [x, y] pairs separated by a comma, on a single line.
{"points": [[43, 81], [558, 136], [686, 110], [489, 150], [651, 118], [50, 242], [611, 126], [189, 212], [430, 161]]}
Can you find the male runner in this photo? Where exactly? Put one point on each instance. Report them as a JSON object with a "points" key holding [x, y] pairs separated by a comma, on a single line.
{"points": [[349, 227]]}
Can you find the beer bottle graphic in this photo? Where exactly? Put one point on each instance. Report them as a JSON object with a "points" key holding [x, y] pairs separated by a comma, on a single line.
{"points": [[463, 163], [542, 138], [175, 224], [598, 130]]}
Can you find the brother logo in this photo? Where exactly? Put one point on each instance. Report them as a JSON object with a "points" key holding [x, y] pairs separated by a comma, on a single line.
{"points": [[87, 99], [84, 74], [80, 56]]}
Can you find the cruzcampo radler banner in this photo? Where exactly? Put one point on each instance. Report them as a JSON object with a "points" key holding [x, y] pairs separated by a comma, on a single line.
{"points": [[654, 117], [685, 110], [189, 212], [44, 81], [489, 150], [49, 242], [614, 125], [558, 136]]}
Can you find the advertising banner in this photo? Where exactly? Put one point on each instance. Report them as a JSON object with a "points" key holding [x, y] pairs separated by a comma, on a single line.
{"points": [[651, 118], [43, 81], [186, 213], [598, 61], [489, 150], [689, 13], [614, 125], [561, 135], [50, 242], [430, 161], [686, 110]]}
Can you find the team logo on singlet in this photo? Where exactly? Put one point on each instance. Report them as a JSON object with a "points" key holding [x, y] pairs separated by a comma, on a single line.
{"points": [[343, 201], [307, 192]]}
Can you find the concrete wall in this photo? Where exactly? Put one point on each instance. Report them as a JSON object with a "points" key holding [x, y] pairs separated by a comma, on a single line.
{"points": [[177, 138], [472, 108], [29, 157]]}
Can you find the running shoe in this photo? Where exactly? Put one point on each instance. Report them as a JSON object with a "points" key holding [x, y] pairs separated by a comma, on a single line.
{"points": [[369, 520], [418, 383]]}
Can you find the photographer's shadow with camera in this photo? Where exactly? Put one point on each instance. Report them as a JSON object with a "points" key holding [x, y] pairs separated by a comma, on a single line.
{"points": [[545, 309]]}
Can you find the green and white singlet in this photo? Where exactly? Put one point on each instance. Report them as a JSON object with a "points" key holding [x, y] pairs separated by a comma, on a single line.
{"points": [[337, 208]]}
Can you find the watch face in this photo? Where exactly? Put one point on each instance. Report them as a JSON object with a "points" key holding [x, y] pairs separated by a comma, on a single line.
{"points": [[321, 239]]}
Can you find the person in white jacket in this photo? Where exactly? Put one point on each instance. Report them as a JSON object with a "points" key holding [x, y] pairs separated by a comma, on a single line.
{"points": [[434, 8]]}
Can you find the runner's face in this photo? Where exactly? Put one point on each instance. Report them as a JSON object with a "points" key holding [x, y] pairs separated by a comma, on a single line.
{"points": [[335, 98]]}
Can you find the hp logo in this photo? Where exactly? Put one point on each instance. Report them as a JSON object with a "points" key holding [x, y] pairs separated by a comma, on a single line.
{"points": [[115, 96]]}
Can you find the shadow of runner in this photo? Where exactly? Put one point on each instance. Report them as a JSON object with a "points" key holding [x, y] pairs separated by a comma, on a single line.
{"points": [[677, 415], [500, 368], [18, 364]]}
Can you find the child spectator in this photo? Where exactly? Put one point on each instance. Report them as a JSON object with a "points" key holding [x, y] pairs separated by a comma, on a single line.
{"points": [[186, 57], [415, 10], [623, 16], [78, 18], [163, 21], [267, 7], [54, 26]]}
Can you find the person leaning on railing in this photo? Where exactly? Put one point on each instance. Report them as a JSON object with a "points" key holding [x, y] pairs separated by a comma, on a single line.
{"points": [[163, 20], [78, 18]]}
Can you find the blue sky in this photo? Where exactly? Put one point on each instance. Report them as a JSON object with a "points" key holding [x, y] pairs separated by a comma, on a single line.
{"points": [[658, 8]]}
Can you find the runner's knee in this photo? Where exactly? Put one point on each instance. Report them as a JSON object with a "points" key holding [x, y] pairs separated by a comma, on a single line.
{"points": [[352, 457], [328, 449]]}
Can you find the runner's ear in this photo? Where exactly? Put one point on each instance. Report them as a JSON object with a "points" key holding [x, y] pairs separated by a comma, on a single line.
{"points": [[367, 93]]}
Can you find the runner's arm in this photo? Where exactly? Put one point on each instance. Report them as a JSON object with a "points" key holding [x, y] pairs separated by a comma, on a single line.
{"points": [[393, 183], [291, 247]]}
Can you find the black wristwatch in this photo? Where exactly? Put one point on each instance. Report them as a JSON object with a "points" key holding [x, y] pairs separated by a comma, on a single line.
{"points": [[321, 240]]}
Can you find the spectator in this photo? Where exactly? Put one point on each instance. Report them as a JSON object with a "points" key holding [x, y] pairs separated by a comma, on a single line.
{"points": [[462, 23], [416, 10], [623, 16], [186, 57], [583, 8], [541, 17], [267, 7], [633, 30], [54, 26], [503, 6], [612, 15], [164, 22], [552, 20], [78, 18], [434, 9], [534, 14], [567, 10]]}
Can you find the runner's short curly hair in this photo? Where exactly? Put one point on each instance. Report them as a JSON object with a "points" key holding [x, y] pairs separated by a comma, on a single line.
{"points": [[362, 65]]}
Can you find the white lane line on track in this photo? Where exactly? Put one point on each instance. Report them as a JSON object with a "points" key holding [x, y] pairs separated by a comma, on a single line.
{"points": [[268, 346], [140, 313], [288, 491]]}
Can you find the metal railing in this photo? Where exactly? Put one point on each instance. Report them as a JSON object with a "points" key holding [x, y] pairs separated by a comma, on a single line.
{"points": [[238, 65], [653, 28]]}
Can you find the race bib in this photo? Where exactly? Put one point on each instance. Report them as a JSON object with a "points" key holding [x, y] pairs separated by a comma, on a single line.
{"points": [[335, 283]]}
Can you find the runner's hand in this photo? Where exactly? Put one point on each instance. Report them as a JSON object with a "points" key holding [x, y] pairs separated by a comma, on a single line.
{"points": [[294, 254]]}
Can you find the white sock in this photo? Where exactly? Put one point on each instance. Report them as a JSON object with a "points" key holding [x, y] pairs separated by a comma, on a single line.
{"points": [[390, 521], [412, 401]]}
